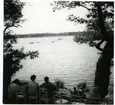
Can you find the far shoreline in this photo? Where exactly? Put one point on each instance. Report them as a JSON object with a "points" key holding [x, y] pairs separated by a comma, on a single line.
{"points": [[30, 35]]}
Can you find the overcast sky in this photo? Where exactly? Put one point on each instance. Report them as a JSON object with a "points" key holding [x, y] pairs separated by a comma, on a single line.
{"points": [[40, 18]]}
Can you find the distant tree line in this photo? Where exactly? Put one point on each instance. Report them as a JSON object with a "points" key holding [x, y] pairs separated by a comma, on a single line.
{"points": [[76, 34], [45, 34]]}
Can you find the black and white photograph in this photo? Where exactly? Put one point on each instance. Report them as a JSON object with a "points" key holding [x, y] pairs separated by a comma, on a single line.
{"points": [[58, 52]]}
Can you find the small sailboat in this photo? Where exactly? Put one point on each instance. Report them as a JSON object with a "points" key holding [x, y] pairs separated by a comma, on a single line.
{"points": [[31, 42], [59, 38]]}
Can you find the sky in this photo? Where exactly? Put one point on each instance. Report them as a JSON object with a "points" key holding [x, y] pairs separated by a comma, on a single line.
{"points": [[40, 18]]}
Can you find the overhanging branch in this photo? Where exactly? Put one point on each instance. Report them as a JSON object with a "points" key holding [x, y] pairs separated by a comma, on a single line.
{"points": [[6, 29], [85, 7]]}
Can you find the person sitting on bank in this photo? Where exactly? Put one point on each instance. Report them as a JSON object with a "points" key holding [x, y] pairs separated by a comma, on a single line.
{"points": [[49, 86], [33, 86], [108, 99], [81, 93], [75, 92], [12, 89]]}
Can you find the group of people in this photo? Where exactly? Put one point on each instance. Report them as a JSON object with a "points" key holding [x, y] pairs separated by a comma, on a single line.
{"points": [[93, 93], [31, 86], [78, 92]]}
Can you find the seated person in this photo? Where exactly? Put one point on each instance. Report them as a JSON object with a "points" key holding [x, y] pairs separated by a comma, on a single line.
{"points": [[33, 86], [75, 92], [109, 98], [49, 86], [81, 93], [12, 89]]}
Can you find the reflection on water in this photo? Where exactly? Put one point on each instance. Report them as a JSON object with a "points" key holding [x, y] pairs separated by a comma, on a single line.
{"points": [[59, 59]]}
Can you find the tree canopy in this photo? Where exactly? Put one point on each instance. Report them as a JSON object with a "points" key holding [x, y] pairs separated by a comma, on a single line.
{"points": [[100, 19], [95, 21], [12, 57]]}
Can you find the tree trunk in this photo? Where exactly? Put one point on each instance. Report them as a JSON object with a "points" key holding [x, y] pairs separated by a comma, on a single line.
{"points": [[102, 74], [6, 82]]}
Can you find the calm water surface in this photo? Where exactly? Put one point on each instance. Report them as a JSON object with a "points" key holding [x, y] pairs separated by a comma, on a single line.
{"points": [[63, 59]]}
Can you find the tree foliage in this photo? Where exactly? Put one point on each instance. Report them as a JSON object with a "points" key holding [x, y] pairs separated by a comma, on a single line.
{"points": [[12, 13], [12, 57], [93, 24], [100, 19]]}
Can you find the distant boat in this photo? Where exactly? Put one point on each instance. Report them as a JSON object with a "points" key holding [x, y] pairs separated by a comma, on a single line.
{"points": [[59, 38], [31, 42]]}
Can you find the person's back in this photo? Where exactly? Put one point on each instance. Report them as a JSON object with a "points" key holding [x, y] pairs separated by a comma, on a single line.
{"points": [[49, 86], [32, 85]]}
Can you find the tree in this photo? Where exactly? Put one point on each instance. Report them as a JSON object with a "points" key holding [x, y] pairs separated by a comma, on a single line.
{"points": [[98, 19], [12, 57]]}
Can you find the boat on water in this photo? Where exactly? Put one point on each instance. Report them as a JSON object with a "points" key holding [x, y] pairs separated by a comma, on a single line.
{"points": [[59, 38], [31, 42]]}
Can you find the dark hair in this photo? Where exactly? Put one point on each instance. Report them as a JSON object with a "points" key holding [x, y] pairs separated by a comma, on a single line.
{"points": [[33, 77], [74, 88], [46, 79], [16, 81]]}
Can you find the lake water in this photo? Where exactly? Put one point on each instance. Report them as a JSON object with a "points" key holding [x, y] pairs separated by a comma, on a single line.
{"points": [[63, 59]]}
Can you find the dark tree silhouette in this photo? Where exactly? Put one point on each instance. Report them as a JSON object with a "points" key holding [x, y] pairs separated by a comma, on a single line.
{"points": [[99, 17], [12, 57]]}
